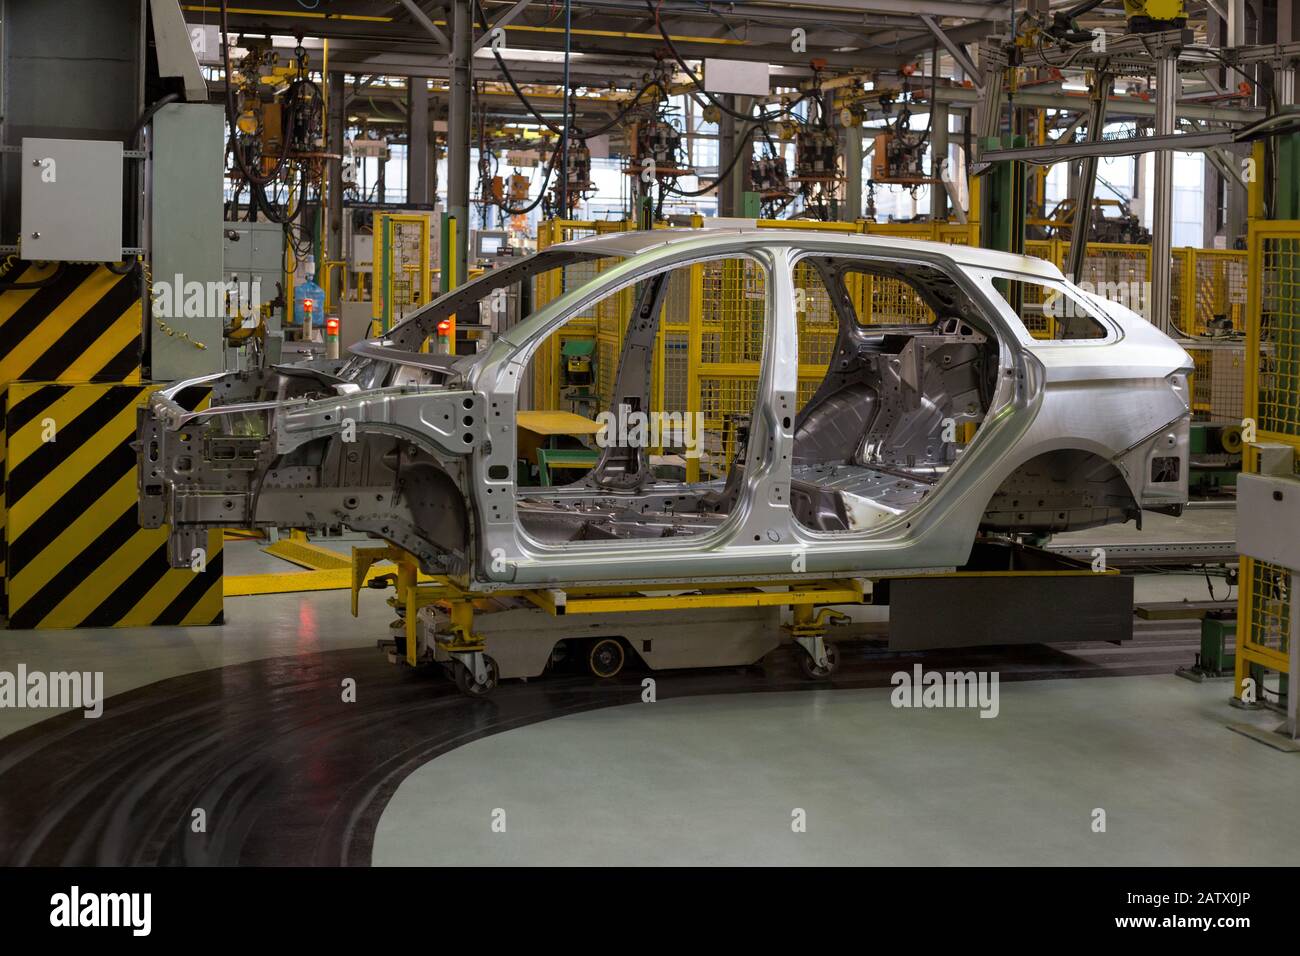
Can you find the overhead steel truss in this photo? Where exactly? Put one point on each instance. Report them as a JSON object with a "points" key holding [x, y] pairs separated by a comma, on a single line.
{"points": [[1132, 145]]}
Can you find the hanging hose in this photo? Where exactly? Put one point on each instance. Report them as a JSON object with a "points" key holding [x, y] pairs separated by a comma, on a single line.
{"points": [[523, 210], [722, 173], [301, 101], [764, 116], [232, 120], [519, 94]]}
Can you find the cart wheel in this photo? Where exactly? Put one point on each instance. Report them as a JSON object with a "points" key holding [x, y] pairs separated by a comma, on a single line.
{"points": [[815, 672], [471, 687], [606, 657]]}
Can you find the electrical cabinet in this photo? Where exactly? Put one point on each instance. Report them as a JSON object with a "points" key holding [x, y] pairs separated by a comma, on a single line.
{"points": [[71, 200], [186, 328]]}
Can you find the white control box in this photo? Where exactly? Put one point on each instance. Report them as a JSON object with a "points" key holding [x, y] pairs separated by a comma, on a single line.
{"points": [[1268, 519], [71, 200]]}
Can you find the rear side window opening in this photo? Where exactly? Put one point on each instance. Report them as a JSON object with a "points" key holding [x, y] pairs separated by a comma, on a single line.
{"points": [[1050, 311]]}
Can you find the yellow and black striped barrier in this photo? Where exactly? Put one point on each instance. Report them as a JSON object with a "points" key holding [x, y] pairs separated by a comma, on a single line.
{"points": [[61, 322], [75, 555]]}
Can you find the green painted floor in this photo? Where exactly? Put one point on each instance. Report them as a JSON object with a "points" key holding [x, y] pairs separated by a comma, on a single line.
{"points": [[716, 780]]}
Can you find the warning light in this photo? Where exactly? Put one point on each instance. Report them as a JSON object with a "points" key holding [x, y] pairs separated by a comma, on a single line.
{"points": [[331, 326], [444, 327]]}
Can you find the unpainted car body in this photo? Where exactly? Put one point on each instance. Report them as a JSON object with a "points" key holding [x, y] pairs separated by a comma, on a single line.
{"points": [[866, 478]]}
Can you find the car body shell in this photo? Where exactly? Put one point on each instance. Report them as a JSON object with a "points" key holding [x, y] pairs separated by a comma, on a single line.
{"points": [[1120, 401]]}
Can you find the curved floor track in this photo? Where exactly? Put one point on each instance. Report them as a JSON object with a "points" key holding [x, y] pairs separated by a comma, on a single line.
{"points": [[279, 770]]}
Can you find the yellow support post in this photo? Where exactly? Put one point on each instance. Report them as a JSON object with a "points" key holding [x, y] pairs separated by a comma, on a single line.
{"points": [[1255, 188], [460, 614], [1187, 317], [406, 596], [1265, 600], [327, 270], [384, 266], [694, 348]]}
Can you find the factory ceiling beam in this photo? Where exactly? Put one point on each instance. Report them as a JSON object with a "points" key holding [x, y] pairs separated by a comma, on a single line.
{"points": [[626, 31], [429, 27], [380, 16], [739, 14], [371, 60], [963, 34], [720, 39], [834, 30], [936, 8], [644, 47], [953, 48], [631, 60], [1120, 107], [630, 36], [502, 21]]}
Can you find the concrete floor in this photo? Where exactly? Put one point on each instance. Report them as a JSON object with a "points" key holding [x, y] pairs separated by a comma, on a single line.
{"points": [[714, 781], [256, 628], [278, 625]]}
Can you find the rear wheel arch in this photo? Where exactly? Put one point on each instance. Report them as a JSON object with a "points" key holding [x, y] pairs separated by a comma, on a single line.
{"points": [[1061, 489]]}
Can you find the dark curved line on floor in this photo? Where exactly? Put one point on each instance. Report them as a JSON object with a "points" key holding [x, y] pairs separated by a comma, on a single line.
{"points": [[286, 773]]}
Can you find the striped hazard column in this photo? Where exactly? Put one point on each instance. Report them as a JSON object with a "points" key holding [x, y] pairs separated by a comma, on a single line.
{"points": [[69, 323], [75, 553]]}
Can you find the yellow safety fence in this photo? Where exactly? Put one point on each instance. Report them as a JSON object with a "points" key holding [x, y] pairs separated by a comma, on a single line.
{"points": [[600, 318], [706, 357], [709, 348], [1272, 397]]}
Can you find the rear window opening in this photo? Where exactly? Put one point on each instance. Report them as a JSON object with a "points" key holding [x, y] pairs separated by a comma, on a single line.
{"points": [[1056, 313]]}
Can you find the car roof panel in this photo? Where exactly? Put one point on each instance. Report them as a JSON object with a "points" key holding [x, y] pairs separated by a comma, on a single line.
{"points": [[642, 240]]}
